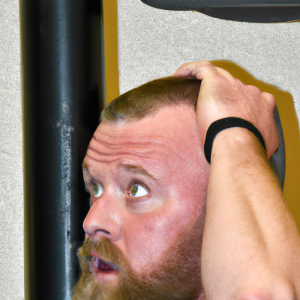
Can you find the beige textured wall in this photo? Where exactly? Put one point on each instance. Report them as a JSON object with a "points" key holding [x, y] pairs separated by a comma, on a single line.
{"points": [[11, 177]]}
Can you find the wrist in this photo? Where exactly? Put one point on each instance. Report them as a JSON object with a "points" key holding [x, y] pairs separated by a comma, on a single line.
{"points": [[236, 144], [225, 123]]}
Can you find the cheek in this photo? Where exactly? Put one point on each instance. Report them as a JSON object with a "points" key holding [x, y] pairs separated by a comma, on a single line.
{"points": [[190, 184], [148, 236], [151, 235]]}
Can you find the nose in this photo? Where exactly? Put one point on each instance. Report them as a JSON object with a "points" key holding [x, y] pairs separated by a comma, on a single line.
{"points": [[104, 218]]}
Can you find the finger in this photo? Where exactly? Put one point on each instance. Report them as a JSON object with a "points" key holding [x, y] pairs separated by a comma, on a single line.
{"points": [[198, 69], [239, 82], [225, 74], [270, 100]]}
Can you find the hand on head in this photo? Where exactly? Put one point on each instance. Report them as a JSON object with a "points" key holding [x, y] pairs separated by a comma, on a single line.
{"points": [[223, 96]]}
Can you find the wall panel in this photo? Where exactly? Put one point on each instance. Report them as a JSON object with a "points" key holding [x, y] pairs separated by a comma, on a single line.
{"points": [[11, 174]]}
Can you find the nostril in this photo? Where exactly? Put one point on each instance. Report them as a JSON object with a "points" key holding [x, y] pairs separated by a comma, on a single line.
{"points": [[103, 231], [99, 222]]}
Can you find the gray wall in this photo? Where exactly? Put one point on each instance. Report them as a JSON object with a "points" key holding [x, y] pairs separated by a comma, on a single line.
{"points": [[154, 43], [11, 177]]}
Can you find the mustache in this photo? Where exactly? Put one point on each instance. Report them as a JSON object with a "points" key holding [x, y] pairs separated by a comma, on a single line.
{"points": [[87, 288], [105, 250]]}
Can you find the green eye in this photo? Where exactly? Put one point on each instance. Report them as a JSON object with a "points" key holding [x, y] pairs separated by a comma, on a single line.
{"points": [[138, 191], [97, 190]]}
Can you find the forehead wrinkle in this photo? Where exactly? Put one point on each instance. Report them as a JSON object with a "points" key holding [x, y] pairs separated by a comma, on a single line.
{"points": [[118, 141], [136, 169], [108, 150], [98, 148], [121, 155]]}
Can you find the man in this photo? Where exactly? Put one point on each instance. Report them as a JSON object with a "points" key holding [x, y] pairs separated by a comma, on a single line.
{"points": [[152, 191]]}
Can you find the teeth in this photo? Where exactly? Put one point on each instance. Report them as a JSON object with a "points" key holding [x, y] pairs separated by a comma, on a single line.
{"points": [[102, 264]]}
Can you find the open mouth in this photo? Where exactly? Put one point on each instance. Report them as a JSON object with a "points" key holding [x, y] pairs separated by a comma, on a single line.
{"points": [[105, 267]]}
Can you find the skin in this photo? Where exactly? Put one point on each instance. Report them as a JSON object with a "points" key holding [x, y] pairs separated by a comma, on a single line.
{"points": [[144, 228], [251, 246]]}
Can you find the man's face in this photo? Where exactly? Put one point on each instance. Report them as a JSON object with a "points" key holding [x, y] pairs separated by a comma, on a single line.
{"points": [[148, 182]]}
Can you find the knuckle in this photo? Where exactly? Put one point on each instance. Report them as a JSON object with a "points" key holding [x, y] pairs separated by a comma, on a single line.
{"points": [[238, 81], [184, 66], [253, 89], [270, 99], [207, 63], [269, 96], [219, 78]]}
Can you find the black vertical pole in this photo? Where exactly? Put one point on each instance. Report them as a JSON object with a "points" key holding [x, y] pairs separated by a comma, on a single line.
{"points": [[61, 81]]}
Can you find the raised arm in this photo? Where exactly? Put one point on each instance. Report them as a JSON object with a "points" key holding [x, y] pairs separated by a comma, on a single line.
{"points": [[251, 246]]}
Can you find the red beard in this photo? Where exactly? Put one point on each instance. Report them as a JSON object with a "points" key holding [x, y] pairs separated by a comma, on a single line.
{"points": [[177, 276]]}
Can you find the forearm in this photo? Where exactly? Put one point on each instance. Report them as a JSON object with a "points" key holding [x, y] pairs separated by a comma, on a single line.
{"points": [[250, 240]]}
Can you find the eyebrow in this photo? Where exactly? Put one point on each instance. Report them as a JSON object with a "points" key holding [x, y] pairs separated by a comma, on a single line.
{"points": [[127, 167], [136, 170], [90, 178]]}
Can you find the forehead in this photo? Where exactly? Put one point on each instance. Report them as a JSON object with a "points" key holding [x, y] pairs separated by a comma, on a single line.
{"points": [[169, 136]]}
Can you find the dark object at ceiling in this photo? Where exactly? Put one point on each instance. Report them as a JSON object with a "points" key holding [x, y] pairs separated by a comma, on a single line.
{"points": [[256, 11]]}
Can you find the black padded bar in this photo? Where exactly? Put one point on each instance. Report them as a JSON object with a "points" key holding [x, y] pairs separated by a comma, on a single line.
{"points": [[254, 14], [254, 11], [199, 4]]}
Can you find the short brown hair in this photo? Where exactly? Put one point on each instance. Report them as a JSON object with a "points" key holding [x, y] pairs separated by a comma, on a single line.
{"points": [[148, 98]]}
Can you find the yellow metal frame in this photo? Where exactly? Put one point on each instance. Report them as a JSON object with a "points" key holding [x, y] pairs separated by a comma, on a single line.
{"points": [[111, 69]]}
